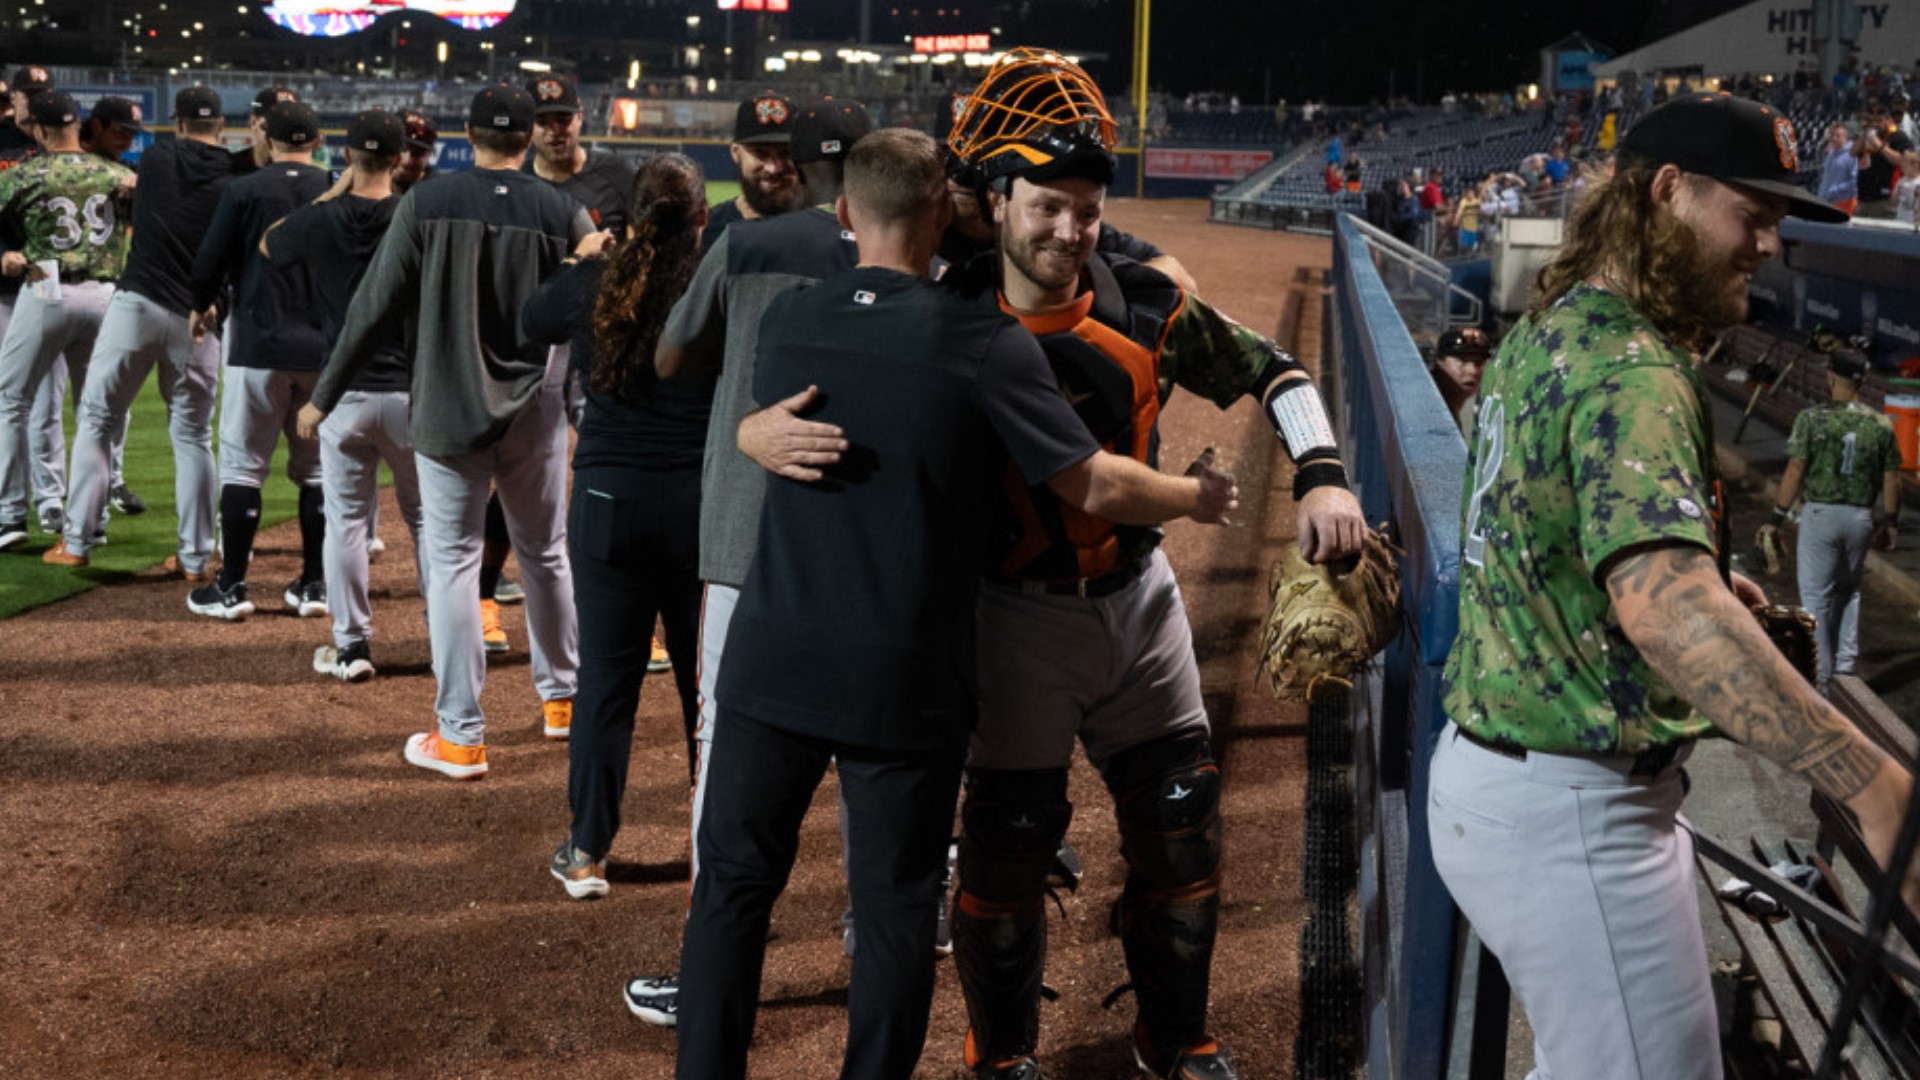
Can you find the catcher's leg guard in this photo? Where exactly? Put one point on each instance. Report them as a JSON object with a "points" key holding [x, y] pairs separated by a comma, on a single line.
{"points": [[1011, 826], [1167, 799]]}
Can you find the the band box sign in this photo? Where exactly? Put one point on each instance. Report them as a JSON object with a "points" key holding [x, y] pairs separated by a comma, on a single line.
{"points": [[1205, 164]]}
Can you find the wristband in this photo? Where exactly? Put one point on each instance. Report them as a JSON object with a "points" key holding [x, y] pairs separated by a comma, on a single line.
{"points": [[1323, 473], [1779, 514]]}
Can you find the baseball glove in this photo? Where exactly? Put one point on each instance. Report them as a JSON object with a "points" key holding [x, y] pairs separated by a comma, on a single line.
{"points": [[1791, 631], [1324, 621]]}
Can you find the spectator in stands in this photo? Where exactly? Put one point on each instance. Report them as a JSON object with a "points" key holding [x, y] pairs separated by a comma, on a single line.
{"points": [[1336, 150], [1353, 174], [1466, 221], [1839, 170], [1431, 197], [1557, 166], [1406, 216], [1906, 193], [1335, 179], [1877, 167], [1900, 109]]}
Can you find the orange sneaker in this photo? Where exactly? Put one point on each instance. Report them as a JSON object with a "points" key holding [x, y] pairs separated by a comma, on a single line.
{"points": [[659, 661], [172, 568], [58, 555], [428, 751], [494, 638], [559, 717]]}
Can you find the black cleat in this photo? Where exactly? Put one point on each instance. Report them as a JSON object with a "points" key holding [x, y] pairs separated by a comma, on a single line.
{"points": [[654, 999], [229, 603], [124, 501]]}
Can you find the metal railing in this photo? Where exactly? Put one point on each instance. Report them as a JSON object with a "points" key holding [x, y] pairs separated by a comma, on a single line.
{"points": [[1421, 286]]}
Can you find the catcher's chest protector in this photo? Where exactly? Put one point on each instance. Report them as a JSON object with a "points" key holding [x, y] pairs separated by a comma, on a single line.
{"points": [[1105, 352]]}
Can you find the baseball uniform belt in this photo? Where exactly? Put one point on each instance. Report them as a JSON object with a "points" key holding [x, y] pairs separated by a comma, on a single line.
{"points": [[1089, 588], [1645, 764]]}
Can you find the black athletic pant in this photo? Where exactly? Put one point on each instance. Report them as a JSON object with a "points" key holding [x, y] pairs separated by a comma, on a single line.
{"points": [[634, 537], [900, 816]]}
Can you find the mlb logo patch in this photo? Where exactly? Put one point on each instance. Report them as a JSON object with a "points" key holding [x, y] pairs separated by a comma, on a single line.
{"points": [[847, 235], [502, 120], [830, 146], [500, 189], [863, 297]]}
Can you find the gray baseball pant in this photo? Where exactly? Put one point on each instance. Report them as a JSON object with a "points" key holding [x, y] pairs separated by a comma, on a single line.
{"points": [[528, 467], [39, 331], [257, 406], [1831, 563], [1580, 879], [47, 435], [136, 335], [716, 614], [361, 432]]}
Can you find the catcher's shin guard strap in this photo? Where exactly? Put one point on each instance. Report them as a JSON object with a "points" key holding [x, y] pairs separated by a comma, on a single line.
{"points": [[1166, 795]]}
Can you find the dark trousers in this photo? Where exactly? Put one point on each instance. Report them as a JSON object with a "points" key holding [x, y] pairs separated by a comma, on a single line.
{"points": [[634, 537], [900, 816]]}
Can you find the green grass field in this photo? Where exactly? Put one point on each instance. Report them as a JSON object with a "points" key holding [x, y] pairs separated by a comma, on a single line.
{"points": [[138, 543], [134, 543]]}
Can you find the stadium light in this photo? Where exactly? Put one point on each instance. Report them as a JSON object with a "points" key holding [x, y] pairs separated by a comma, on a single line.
{"points": [[535, 66], [441, 52], [776, 63], [633, 74]]}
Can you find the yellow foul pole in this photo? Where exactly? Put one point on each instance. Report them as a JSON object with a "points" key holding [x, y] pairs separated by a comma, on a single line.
{"points": [[1142, 18]]}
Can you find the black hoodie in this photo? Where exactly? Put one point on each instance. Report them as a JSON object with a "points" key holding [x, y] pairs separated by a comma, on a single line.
{"points": [[180, 185], [273, 323], [334, 241]]}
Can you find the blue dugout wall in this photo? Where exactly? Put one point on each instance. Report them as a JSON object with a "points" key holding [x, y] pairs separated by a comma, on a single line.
{"points": [[1409, 464]]}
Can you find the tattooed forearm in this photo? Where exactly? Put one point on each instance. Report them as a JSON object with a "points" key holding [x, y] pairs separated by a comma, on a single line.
{"points": [[1697, 635]]}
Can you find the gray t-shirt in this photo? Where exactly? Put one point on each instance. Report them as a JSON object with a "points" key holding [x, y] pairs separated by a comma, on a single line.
{"points": [[751, 263]]}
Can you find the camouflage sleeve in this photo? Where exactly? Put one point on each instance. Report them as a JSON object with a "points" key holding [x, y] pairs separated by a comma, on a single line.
{"points": [[1640, 473], [1798, 438], [1211, 355]]}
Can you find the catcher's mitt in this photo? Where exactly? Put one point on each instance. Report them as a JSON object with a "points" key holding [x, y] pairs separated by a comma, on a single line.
{"points": [[1325, 621], [1791, 631]]}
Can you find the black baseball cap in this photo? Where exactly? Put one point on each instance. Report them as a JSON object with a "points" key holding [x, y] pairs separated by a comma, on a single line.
{"points": [[376, 131], [196, 103], [271, 96], [117, 112], [420, 132], [501, 108], [32, 79], [554, 93], [827, 129], [1728, 138], [1463, 341], [1848, 363], [766, 117], [292, 123], [52, 108]]}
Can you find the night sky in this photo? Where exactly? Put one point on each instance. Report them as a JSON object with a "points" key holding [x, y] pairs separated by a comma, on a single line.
{"points": [[1344, 51]]}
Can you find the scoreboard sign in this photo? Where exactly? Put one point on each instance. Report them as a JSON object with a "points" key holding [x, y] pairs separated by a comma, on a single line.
{"points": [[952, 43], [753, 5]]}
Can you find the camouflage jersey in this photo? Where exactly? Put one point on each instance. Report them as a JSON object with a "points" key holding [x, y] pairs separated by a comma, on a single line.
{"points": [[1592, 439], [70, 207], [1849, 449]]}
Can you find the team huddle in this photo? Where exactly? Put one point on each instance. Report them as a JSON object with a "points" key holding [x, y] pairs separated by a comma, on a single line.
{"points": [[896, 401]]}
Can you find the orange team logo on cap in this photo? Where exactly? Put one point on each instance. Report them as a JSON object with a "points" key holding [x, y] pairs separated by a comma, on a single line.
{"points": [[1783, 138], [770, 110], [550, 89]]}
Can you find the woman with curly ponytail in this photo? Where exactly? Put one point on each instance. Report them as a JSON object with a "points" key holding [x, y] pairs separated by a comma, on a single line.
{"points": [[633, 523]]}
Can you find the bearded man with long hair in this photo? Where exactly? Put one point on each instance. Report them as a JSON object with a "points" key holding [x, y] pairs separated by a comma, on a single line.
{"points": [[1601, 634]]}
